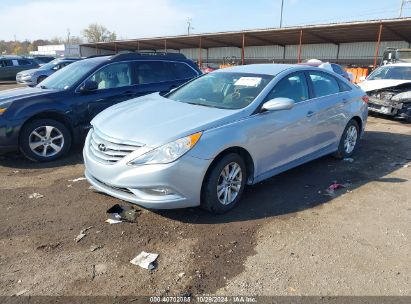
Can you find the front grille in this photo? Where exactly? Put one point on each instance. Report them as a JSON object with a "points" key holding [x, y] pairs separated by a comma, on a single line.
{"points": [[109, 152], [125, 190]]}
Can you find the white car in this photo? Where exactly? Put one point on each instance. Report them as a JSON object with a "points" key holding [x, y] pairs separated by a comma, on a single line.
{"points": [[389, 90]]}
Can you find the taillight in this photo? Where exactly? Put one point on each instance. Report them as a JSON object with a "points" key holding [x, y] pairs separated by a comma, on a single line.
{"points": [[365, 98]]}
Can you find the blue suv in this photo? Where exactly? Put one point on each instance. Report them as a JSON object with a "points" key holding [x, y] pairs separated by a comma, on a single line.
{"points": [[43, 122]]}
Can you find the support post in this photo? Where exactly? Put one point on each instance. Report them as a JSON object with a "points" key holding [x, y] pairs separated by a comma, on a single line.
{"points": [[243, 51], [300, 46], [165, 45], [200, 51], [338, 53], [138, 45], [115, 47], [377, 47]]}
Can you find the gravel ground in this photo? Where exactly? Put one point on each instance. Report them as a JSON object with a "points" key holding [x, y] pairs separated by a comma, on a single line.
{"points": [[288, 236]]}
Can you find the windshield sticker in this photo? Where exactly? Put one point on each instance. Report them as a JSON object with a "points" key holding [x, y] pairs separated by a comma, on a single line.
{"points": [[248, 82]]}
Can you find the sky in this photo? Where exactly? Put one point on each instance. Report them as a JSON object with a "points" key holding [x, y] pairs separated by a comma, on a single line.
{"points": [[129, 19]]}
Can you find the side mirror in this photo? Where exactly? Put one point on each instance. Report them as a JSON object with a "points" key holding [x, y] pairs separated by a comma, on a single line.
{"points": [[362, 78], [278, 104], [89, 86]]}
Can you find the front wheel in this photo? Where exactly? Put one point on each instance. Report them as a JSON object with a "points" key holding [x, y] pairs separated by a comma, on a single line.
{"points": [[224, 184], [44, 140], [349, 140]]}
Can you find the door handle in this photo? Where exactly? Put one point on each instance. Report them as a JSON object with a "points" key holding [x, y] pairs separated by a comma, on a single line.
{"points": [[310, 113]]}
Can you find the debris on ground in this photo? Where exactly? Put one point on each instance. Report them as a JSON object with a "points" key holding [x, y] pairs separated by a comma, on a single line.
{"points": [[113, 220], [48, 247], [97, 270], [348, 159], [35, 195], [94, 247], [181, 274], [335, 186], [21, 292], [118, 213], [145, 260], [82, 234], [69, 186], [77, 179]]}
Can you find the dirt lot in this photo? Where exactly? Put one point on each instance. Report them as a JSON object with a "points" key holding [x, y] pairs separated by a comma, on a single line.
{"points": [[286, 238]]}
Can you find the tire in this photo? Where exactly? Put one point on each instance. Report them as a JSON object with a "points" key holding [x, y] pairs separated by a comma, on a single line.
{"points": [[47, 135], [347, 149], [209, 196], [41, 78]]}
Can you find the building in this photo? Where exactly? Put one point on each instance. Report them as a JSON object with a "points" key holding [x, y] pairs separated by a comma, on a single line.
{"points": [[351, 43], [58, 50]]}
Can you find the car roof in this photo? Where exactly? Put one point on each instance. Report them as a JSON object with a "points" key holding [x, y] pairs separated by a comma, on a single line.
{"points": [[405, 64], [11, 57], [272, 69]]}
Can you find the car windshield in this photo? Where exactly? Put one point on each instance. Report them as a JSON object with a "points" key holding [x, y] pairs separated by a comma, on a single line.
{"points": [[391, 72], [222, 90], [49, 65], [67, 77]]}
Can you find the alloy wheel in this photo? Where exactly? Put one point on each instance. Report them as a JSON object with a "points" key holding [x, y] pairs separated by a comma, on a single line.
{"points": [[350, 139], [46, 141], [229, 183]]}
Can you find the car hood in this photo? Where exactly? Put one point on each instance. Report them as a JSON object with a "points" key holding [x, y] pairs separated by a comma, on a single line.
{"points": [[153, 120], [371, 85], [20, 93]]}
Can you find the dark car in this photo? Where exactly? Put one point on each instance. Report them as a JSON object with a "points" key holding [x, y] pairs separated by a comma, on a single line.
{"points": [[11, 65], [43, 122], [35, 76]]}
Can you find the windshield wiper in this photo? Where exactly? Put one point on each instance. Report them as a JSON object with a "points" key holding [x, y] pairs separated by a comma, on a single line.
{"points": [[43, 87]]}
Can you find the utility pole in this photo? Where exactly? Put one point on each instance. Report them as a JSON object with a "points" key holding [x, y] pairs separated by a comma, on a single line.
{"points": [[281, 17], [189, 27], [403, 3], [68, 41]]}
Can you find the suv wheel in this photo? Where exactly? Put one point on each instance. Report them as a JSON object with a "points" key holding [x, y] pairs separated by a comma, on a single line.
{"points": [[224, 185], [44, 140], [349, 140]]}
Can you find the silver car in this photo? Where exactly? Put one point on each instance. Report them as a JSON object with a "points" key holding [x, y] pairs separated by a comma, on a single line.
{"points": [[35, 76], [202, 143]]}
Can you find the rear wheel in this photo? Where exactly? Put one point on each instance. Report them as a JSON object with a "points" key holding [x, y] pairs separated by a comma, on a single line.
{"points": [[44, 140], [224, 184], [348, 141]]}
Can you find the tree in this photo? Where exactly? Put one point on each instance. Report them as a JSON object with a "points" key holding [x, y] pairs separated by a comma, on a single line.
{"points": [[98, 33]]}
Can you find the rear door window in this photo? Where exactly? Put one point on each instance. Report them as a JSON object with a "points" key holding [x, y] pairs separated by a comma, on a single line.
{"points": [[23, 62], [323, 84], [293, 86], [5, 63], [181, 70], [153, 72]]}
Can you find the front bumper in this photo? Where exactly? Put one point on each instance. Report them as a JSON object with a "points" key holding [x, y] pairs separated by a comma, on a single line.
{"points": [[9, 136], [129, 183], [390, 108], [26, 81]]}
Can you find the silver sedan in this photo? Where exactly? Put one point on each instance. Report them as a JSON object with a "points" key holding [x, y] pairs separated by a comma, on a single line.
{"points": [[202, 143]]}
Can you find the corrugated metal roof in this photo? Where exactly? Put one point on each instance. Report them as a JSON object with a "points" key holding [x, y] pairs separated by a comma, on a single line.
{"points": [[336, 33]]}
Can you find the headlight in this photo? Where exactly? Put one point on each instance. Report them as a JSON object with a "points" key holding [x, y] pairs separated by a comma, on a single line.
{"points": [[169, 152], [402, 96]]}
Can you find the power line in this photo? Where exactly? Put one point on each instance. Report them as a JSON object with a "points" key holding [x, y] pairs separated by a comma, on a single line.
{"points": [[403, 3]]}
